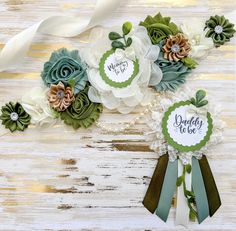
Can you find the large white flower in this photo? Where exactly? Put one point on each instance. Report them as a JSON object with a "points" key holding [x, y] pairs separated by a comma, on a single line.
{"points": [[36, 104], [123, 99], [200, 45]]}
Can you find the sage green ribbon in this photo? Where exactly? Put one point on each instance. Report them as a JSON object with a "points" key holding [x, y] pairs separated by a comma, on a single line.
{"points": [[213, 196], [152, 196], [168, 190], [199, 191]]}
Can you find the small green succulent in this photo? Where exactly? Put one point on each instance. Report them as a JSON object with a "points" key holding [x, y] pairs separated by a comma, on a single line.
{"points": [[115, 37], [159, 27], [14, 117], [219, 29], [199, 100]]}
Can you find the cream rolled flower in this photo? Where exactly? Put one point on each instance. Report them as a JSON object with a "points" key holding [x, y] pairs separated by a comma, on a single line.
{"points": [[36, 104], [200, 45]]}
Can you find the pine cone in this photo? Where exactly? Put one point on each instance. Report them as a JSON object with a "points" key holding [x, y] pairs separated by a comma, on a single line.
{"points": [[176, 47], [60, 97]]}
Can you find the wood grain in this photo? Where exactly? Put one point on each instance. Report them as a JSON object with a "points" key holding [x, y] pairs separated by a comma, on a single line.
{"points": [[59, 179]]}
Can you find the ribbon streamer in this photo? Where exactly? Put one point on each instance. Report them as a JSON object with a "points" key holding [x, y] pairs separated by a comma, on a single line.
{"points": [[63, 26], [213, 196], [153, 193], [168, 190], [199, 191]]}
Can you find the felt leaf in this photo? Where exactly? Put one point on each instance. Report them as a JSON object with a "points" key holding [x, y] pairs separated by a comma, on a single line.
{"points": [[189, 62], [179, 181], [117, 44], [114, 36], [188, 168], [200, 95], [202, 103], [129, 42], [126, 28]]}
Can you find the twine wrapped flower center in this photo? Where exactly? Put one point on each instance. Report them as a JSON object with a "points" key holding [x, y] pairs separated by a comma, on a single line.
{"points": [[60, 97], [176, 48]]}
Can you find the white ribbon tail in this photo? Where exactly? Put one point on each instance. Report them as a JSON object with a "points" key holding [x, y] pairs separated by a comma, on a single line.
{"points": [[182, 209], [63, 26]]}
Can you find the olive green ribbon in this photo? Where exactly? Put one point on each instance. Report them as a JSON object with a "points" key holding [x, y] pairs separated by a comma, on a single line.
{"points": [[199, 191], [153, 193], [168, 190], [213, 196]]}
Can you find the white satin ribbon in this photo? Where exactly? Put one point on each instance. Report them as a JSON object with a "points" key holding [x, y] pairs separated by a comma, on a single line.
{"points": [[182, 209], [63, 26], [200, 112]]}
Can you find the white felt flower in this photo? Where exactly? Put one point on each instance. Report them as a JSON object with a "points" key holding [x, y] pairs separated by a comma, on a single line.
{"points": [[200, 45], [36, 104], [123, 99]]}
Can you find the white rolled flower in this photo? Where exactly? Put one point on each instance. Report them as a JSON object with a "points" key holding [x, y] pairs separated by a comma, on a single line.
{"points": [[200, 45], [137, 93], [35, 103]]}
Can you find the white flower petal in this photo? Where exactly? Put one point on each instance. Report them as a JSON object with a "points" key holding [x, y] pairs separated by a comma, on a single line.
{"points": [[156, 75], [35, 103], [94, 95]]}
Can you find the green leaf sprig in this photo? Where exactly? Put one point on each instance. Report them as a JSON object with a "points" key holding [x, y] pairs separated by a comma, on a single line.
{"points": [[115, 37], [199, 101], [188, 194]]}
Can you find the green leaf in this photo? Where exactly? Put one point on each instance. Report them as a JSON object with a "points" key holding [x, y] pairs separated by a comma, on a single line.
{"points": [[127, 27], [192, 215], [193, 101], [114, 36], [191, 200], [117, 44], [200, 95], [179, 181], [189, 62], [189, 193], [202, 103], [129, 42], [188, 168], [71, 83]]}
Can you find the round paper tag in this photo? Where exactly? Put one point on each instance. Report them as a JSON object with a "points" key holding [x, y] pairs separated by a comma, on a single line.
{"points": [[115, 73], [186, 127]]}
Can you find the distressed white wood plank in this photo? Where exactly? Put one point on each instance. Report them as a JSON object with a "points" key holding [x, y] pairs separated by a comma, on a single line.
{"points": [[59, 179]]}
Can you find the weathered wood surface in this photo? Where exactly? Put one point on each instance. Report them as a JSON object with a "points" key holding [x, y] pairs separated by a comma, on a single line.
{"points": [[59, 179]]}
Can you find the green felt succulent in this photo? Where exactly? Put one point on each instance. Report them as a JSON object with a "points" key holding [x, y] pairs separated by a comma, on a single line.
{"points": [[159, 27], [66, 67], [14, 117], [82, 112], [219, 29]]}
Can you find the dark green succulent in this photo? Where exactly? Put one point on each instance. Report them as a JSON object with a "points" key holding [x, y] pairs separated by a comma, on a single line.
{"points": [[219, 29], [14, 117], [159, 27], [82, 112]]}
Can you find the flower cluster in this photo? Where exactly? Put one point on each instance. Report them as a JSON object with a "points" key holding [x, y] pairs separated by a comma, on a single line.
{"points": [[116, 70], [182, 47], [66, 96]]}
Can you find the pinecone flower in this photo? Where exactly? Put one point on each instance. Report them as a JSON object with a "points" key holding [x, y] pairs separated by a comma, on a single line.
{"points": [[219, 29], [176, 47], [14, 117], [60, 97]]}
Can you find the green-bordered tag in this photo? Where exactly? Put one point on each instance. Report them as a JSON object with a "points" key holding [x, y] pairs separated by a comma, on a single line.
{"points": [[118, 74], [187, 127]]}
